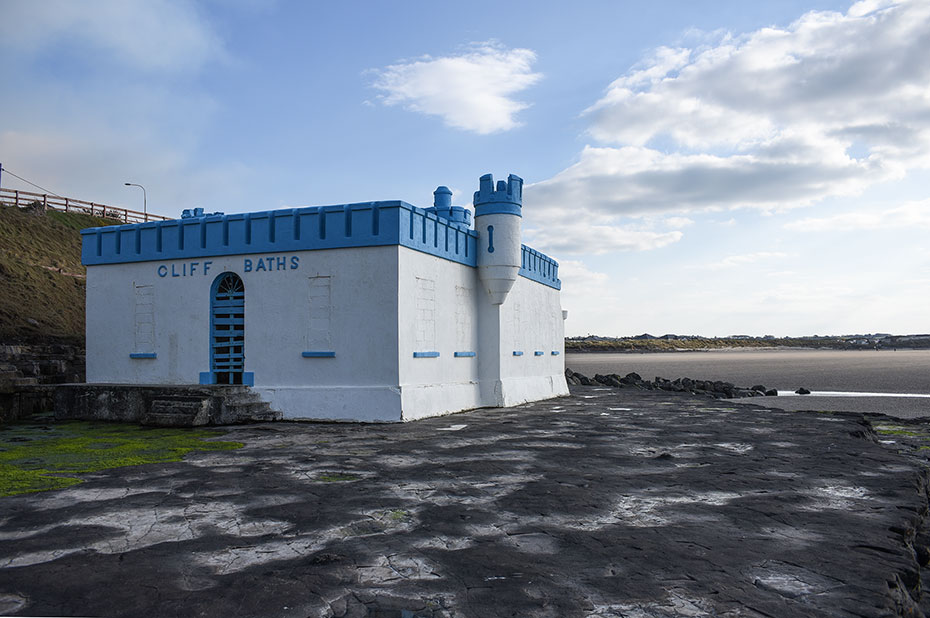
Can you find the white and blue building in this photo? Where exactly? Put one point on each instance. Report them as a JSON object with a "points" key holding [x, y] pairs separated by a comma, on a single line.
{"points": [[375, 311]]}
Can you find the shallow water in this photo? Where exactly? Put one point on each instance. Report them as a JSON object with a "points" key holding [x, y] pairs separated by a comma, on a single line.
{"points": [[875, 371]]}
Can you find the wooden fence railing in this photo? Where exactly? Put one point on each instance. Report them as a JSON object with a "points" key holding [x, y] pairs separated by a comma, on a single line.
{"points": [[14, 197]]}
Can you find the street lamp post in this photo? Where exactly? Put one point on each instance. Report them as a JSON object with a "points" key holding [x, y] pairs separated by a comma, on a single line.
{"points": [[145, 213]]}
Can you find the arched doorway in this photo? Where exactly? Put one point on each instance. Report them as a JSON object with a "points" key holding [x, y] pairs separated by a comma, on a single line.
{"points": [[227, 329]]}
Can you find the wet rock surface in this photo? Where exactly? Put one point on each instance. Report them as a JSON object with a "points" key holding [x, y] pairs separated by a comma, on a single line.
{"points": [[712, 388], [611, 502]]}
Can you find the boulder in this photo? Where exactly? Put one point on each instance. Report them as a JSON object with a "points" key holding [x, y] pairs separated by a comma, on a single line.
{"points": [[759, 387], [771, 393], [608, 380], [802, 391]]}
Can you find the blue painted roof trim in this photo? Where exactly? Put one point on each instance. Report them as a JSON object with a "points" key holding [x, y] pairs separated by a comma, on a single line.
{"points": [[539, 267], [367, 224]]}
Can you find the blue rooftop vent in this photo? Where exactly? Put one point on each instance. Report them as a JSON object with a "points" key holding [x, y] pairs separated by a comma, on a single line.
{"points": [[188, 213], [507, 199], [442, 207]]}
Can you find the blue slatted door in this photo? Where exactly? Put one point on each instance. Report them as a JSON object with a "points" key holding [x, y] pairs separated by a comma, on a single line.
{"points": [[227, 357]]}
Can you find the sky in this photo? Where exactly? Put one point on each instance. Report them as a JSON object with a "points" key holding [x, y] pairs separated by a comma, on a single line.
{"points": [[710, 167]]}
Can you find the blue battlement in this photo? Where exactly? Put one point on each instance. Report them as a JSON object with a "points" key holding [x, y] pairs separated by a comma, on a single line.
{"points": [[539, 267], [507, 199], [365, 224]]}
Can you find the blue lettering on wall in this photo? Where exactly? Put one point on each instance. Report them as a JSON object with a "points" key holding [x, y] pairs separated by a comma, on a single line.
{"points": [[266, 264]]}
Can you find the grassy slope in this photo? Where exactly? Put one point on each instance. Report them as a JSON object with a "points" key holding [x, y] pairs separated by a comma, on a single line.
{"points": [[30, 241]]}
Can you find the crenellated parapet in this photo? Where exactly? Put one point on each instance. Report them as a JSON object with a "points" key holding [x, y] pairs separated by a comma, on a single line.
{"points": [[506, 199], [539, 267], [368, 224], [442, 230]]}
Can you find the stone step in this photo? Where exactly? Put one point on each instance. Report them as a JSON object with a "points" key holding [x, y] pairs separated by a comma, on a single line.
{"points": [[177, 411], [24, 381], [241, 399], [163, 405], [254, 411]]}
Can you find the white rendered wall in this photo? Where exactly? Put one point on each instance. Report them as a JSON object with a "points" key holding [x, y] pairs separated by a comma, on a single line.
{"points": [[437, 385], [181, 316], [358, 383], [531, 322], [433, 385], [379, 298]]}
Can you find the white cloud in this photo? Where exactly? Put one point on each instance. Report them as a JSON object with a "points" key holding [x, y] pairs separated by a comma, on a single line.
{"points": [[774, 119], [635, 180], [578, 275], [65, 164], [146, 34], [907, 216], [472, 91], [743, 259], [678, 222], [574, 236]]}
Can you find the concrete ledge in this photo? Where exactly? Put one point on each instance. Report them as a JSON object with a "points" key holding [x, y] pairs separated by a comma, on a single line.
{"points": [[438, 399], [161, 405], [335, 403], [534, 388]]}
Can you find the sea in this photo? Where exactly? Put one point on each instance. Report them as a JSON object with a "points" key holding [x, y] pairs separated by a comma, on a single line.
{"points": [[893, 382]]}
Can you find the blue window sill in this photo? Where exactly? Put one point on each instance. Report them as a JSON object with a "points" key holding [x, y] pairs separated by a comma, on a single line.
{"points": [[464, 354], [142, 355], [538, 353], [555, 352], [318, 354], [518, 352], [426, 354]]}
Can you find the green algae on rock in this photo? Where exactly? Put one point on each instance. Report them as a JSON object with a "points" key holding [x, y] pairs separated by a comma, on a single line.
{"points": [[39, 457]]}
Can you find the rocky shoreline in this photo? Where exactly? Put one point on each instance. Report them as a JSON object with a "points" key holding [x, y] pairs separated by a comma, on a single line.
{"points": [[711, 388]]}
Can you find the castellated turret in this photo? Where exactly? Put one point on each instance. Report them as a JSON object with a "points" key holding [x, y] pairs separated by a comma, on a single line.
{"points": [[498, 221]]}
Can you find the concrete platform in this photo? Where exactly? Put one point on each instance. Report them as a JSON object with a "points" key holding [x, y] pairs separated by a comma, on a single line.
{"points": [[611, 502]]}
